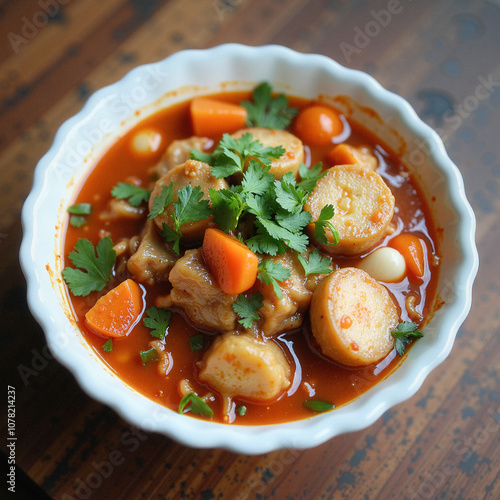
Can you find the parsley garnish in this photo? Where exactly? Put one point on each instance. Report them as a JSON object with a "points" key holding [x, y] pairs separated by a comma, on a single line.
{"points": [[157, 320], [266, 111], [135, 195], [270, 272], [196, 342], [149, 356], [309, 176], [404, 334], [323, 222], [78, 213], [316, 405], [246, 308], [107, 346], [191, 402], [94, 266], [188, 208], [315, 264]]}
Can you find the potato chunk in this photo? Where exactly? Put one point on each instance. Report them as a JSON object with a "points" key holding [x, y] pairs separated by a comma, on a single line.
{"points": [[197, 292], [352, 317], [241, 366], [363, 203], [194, 173], [294, 149]]}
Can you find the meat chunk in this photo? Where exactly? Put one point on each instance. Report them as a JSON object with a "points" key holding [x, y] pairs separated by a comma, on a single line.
{"points": [[154, 258], [178, 153], [242, 366], [193, 173], [294, 149], [196, 291], [287, 313]]}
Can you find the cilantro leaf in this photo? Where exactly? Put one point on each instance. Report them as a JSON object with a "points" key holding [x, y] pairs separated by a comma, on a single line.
{"points": [[310, 176], [316, 264], [191, 402], [323, 222], [404, 334], [270, 272], [246, 308], [80, 209], [149, 356], [257, 179], [157, 320], [266, 111], [107, 346], [196, 154], [165, 198], [227, 206], [134, 194], [288, 195], [78, 220], [317, 405], [196, 342], [94, 266]]}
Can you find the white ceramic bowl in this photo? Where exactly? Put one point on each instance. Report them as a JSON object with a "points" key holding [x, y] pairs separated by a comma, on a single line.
{"points": [[111, 111]]}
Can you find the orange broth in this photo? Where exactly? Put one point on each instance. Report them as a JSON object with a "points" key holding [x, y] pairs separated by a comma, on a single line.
{"points": [[315, 377]]}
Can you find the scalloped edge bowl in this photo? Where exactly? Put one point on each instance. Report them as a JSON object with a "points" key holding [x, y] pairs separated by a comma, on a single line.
{"points": [[115, 109]]}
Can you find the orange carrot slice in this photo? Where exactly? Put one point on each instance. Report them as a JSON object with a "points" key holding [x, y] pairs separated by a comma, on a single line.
{"points": [[411, 247], [232, 263], [342, 154], [114, 314], [212, 118]]}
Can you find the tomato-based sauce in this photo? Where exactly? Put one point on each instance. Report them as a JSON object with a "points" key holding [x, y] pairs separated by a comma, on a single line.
{"points": [[314, 376]]}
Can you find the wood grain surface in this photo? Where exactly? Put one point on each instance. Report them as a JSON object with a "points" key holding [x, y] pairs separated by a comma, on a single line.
{"points": [[443, 57]]}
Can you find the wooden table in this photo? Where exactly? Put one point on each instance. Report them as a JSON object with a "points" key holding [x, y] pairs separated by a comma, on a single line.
{"points": [[443, 57]]}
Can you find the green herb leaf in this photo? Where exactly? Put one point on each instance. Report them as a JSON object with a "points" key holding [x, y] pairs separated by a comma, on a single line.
{"points": [[134, 194], [316, 405], [107, 346], [315, 264], [404, 334], [157, 320], [288, 195], [191, 402], [270, 273], [227, 208], [246, 308], [196, 342], [80, 209], [266, 111], [149, 356], [94, 266], [323, 222], [310, 176], [165, 198], [241, 410], [78, 220]]}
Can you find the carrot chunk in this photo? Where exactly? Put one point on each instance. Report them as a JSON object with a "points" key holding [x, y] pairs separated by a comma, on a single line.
{"points": [[317, 125], [412, 249], [213, 118], [232, 263], [114, 314], [342, 154]]}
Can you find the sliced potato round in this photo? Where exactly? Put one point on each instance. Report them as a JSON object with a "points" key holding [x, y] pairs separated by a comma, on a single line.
{"points": [[352, 317], [363, 203], [194, 173], [240, 365], [294, 149]]}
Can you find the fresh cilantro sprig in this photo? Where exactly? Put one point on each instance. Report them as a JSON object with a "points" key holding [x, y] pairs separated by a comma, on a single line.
{"points": [[246, 308], [405, 333], [190, 207], [266, 111], [310, 176], [323, 223], [315, 263], [94, 266], [135, 195], [157, 320], [107, 346], [192, 402], [160, 202], [270, 273]]}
